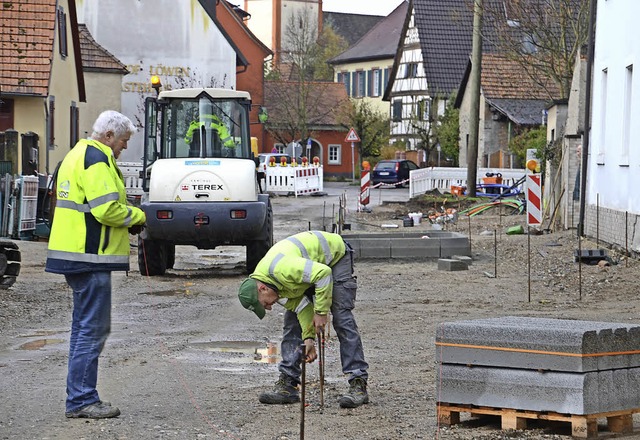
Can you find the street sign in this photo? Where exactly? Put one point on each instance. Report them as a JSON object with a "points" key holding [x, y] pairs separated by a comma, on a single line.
{"points": [[352, 136]]}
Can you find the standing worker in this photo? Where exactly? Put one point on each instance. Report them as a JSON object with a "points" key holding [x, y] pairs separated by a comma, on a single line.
{"points": [[89, 239], [309, 274]]}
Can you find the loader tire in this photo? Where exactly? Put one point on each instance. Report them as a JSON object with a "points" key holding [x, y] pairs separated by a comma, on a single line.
{"points": [[152, 257], [171, 255], [258, 248], [10, 260]]}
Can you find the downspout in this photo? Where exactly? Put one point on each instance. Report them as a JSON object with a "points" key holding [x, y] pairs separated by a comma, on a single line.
{"points": [[47, 134], [587, 119]]}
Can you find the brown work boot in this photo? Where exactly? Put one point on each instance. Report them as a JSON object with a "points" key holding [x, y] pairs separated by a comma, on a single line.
{"points": [[357, 394], [284, 391]]}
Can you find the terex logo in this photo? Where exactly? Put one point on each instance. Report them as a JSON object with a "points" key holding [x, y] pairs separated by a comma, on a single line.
{"points": [[207, 187]]}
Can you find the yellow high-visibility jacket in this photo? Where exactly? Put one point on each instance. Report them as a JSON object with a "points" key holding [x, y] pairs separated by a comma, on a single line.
{"points": [[91, 218], [297, 263], [216, 124]]}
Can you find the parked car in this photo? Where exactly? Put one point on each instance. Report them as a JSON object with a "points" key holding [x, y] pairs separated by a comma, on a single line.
{"points": [[393, 172]]}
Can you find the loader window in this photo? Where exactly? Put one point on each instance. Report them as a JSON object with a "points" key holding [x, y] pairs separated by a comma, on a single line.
{"points": [[206, 128]]}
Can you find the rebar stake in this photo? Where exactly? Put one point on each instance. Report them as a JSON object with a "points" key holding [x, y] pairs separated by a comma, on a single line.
{"points": [[321, 366], [303, 379]]}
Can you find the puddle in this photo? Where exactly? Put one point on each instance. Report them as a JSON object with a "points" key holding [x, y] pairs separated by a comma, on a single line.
{"points": [[257, 352], [39, 343], [37, 333], [181, 292]]}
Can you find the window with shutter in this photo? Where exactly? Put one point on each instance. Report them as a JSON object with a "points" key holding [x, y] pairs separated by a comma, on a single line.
{"points": [[51, 135], [377, 83], [74, 129], [397, 110], [62, 31]]}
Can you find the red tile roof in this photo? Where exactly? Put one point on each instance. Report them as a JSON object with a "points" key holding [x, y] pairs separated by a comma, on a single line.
{"points": [[506, 79], [26, 45], [96, 58]]}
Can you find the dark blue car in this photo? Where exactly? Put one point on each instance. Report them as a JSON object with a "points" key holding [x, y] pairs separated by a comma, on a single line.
{"points": [[393, 172]]}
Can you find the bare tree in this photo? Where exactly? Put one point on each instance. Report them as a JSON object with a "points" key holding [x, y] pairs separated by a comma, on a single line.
{"points": [[292, 118], [543, 36], [297, 102]]}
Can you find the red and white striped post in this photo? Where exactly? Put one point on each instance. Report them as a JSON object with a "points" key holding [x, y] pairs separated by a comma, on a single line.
{"points": [[534, 200], [365, 179], [534, 203]]}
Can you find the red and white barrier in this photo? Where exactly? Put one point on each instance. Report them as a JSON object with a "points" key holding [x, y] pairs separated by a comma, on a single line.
{"points": [[297, 180]]}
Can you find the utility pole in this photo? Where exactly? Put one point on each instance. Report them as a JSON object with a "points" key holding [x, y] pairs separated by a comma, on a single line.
{"points": [[474, 91], [586, 137]]}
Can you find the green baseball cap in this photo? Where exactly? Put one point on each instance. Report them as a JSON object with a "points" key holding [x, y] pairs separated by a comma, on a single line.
{"points": [[248, 296]]}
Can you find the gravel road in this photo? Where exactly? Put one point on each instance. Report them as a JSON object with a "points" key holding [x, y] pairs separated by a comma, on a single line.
{"points": [[186, 361]]}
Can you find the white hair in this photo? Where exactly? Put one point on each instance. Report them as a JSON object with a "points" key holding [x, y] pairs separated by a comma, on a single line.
{"points": [[115, 122]]}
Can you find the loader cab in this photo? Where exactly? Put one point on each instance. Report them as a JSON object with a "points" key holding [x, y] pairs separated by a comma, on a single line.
{"points": [[196, 124]]}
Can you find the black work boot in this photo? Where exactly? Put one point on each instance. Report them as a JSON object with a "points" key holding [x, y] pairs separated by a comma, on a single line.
{"points": [[284, 391], [357, 394]]}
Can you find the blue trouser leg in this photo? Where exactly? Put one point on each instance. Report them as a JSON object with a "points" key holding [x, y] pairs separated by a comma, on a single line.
{"points": [[90, 327], [290, 346], [344, 298]]}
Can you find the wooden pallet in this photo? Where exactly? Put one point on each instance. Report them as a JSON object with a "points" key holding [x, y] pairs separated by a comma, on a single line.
{"points": [[582, 426]]}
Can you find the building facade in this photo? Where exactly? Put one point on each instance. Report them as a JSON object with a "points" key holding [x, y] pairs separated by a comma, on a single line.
{"points": [[272, 18], [364, 68], [41, 81], [612, 207], [429, 65], [181, 42]]}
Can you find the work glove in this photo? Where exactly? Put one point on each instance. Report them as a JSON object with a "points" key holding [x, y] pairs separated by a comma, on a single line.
{"points": [[136, 229]]}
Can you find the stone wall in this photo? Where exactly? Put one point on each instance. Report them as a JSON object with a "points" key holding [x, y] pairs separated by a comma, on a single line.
{"points": [[617, 229]]}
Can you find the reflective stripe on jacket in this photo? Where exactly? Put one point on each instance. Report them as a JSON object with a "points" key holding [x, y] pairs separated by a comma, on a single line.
{"points": [[297, 263], [91, 217], [217, 125]]}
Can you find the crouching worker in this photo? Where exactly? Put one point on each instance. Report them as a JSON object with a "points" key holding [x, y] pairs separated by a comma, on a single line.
{"points": [[307, 262]]}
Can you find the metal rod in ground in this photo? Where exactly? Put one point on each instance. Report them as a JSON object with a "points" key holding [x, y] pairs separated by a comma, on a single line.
{"points": [[469, 217], [580, 266], [303, 379], [324, 207], [334, 227], [495, 253], [626, 238], [597, 220], [529, 261], [321, 366]]}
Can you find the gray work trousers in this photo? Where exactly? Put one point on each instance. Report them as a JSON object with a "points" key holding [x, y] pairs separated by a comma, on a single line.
{"points": [[344, 323]]}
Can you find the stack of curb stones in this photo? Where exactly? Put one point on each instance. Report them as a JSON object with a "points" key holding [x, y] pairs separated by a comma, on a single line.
{"points": [[539, 364], [428, 244]]}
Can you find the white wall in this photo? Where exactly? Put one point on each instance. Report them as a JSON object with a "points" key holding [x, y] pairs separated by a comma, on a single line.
{"points": [[614, 153], [173, 39], [261, 21]]}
